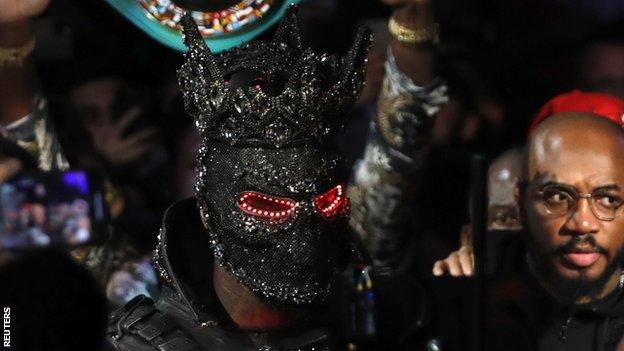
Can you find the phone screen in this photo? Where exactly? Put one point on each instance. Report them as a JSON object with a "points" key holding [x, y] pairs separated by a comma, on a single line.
{"points": [[51, 209]]}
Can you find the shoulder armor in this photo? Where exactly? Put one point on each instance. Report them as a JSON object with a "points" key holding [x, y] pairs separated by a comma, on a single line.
{"points": [[140, 323]]}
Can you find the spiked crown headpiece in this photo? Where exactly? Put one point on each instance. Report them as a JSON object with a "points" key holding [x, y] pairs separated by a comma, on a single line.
{"points": [[309, 106]]}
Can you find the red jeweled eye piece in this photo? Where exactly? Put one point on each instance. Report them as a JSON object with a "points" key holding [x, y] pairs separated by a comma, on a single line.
{"points": [[266, 206], [332, 203]]}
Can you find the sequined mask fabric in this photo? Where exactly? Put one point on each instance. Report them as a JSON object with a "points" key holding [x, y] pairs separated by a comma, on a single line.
{"points": [[267, 114]]}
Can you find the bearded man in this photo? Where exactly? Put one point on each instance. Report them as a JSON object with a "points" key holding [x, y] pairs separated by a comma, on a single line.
{"points": [[560, 286]]}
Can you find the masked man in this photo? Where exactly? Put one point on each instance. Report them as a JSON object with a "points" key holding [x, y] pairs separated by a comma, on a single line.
{"points": [[249, 263]]}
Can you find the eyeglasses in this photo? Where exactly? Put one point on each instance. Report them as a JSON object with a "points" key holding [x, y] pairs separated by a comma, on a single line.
{"points": [[559, 200]]}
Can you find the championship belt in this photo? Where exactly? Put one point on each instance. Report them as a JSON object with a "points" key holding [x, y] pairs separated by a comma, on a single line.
{"points": [[222, 23]]}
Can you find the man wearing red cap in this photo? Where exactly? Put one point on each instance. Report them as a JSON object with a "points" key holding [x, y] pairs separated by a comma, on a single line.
{"points": [[599, 104], [563, 284]]}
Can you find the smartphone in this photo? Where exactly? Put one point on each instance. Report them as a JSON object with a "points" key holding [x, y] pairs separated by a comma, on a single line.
{"points": [[65, 209]]}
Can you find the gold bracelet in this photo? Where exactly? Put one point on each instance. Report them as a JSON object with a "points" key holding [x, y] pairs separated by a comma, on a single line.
{"points": [[418, 36], [14, 57]]}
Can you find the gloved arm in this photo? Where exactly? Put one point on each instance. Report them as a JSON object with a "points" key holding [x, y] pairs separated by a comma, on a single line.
{"points": [[386, 177]]}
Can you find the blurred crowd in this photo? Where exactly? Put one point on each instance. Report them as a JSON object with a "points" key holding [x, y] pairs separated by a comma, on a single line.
{"points": [[113, 95]]}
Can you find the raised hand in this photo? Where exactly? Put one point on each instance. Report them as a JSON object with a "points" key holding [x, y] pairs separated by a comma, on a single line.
{"points": [[17, 10], [411, 12], [110, 142], [459, 263], [415, 61]]}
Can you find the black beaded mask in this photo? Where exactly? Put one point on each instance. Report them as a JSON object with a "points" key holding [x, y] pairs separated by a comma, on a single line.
{"points": [[267, 113]]}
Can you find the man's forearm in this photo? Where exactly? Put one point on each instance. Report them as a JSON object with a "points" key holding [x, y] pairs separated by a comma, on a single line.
{"points": [[23, 111], [386, 177], [17, 82], [415, 60]]}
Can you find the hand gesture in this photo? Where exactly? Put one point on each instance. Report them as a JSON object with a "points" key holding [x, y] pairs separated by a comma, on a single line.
{"points": [[110, 142], [459, 263]]}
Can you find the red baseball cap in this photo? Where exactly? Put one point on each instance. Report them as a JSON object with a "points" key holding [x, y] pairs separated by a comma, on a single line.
{"points": [[600, 104]]}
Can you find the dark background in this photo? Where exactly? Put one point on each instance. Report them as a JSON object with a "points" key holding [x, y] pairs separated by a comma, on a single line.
{"points": [[519, 52], [501, 60]]}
